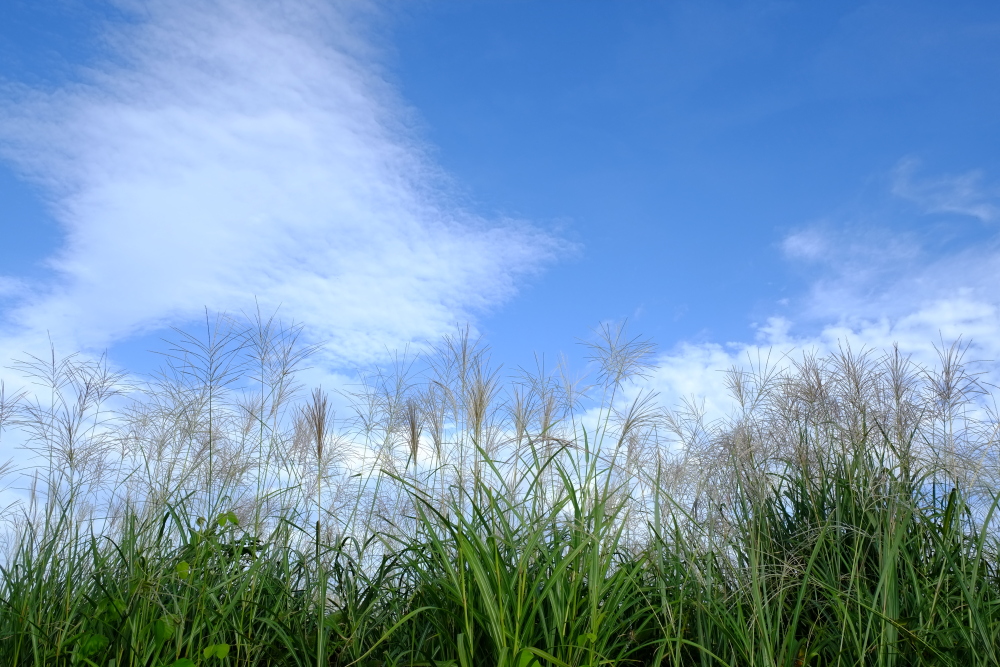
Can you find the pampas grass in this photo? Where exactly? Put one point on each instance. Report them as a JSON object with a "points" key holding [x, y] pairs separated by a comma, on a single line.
{"points": [[218, 513]]}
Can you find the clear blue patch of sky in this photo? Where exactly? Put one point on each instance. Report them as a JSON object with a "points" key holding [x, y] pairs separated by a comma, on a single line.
{"points": [[47, 43], [28, 231]]}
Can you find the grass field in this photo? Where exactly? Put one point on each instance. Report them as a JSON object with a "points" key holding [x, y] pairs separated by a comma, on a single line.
{"points": [[218, 514]]}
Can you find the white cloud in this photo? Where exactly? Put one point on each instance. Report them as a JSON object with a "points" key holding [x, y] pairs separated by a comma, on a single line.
{"points": [[963, 194], [227, 151], [806, 244], [870, 288], [697, 371], [11, 287]]}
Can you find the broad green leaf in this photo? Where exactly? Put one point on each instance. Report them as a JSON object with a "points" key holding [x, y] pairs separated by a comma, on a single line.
{"points": [[91, 644], [182, 662], [163, 629], [527, 659], [219, 651]]}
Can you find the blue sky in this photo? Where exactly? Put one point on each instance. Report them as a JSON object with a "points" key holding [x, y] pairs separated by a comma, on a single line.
{"points": [[728, 176]]}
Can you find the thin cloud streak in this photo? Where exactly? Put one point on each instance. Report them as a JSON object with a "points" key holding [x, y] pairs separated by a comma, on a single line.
{"points": [[228, 152], [962, 194]]}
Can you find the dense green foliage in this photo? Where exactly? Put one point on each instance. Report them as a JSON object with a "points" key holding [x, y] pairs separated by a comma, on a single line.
{"points": [[806, 530]]}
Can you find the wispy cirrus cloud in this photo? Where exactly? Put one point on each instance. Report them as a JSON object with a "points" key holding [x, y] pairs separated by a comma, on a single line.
{"points": [[226, 152], [963, 194]]}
